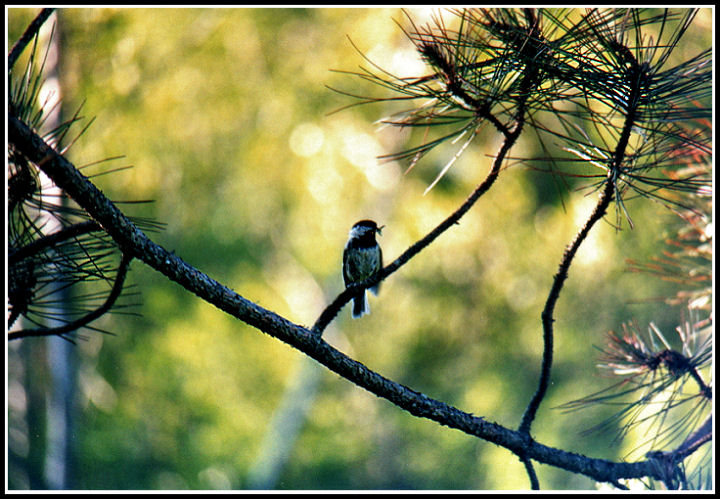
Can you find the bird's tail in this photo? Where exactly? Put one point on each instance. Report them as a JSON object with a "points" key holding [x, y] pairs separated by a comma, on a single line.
{"points": [[360, 305]]}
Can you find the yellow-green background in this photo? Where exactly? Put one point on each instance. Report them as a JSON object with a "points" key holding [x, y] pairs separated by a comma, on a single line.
{"points": [[224, 115]]}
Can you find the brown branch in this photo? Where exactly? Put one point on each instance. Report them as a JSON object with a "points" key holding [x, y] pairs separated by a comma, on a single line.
{"points": [[511, 136], [344, 297], [52, 240], [599, 211], [699, 437], [530, 470], [30, 32], [86, 319], [705, 389], [136, 243], [547, 313], [667, 462]]}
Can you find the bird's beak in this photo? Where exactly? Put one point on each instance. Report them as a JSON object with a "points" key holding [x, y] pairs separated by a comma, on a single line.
{"points": [[379, 229]]}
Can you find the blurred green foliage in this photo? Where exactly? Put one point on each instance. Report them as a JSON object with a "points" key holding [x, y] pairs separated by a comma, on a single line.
{"points": [[224, 115]]}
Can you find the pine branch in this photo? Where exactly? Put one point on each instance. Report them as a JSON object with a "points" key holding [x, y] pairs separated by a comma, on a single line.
{"points": [[547, 315], [15, 255], [345, 296], [635, 78], [136, 244], [30, 32], [64, 330], [668, 463]]}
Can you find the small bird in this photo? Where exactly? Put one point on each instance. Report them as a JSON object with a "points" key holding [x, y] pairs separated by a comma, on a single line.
{"points": [[362, 258]]}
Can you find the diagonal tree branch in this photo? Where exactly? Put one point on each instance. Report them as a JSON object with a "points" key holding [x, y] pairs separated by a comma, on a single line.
{"points": [[511, 137], [30, 32], [134, 242], [344, 297]]}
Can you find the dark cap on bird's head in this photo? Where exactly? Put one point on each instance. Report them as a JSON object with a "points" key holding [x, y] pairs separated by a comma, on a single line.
{"points": [[364, 226]]}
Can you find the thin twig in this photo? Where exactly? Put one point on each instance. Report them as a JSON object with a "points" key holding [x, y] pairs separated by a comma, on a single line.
{"points": [[532, 475], [547, 313], [51, 240], [87, 319], [700, 437], [704, 388], [599, 211], [344, 297], [511, 137], [30, 32]]}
